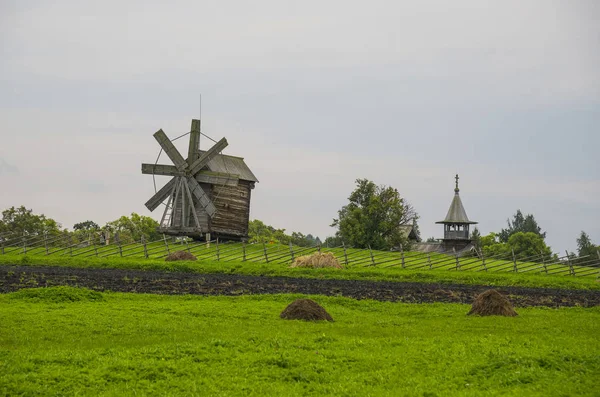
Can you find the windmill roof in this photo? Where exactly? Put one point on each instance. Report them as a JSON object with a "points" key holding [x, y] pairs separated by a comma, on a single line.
{"points": [[456, 212], [231, 165]]}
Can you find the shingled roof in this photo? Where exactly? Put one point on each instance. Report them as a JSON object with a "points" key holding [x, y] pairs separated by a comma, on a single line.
{"points": [[456, 212], [231, 165]]}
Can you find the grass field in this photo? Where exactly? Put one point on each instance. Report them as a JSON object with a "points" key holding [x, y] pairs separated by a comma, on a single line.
{"points": [[282, 269], [64, 341]]}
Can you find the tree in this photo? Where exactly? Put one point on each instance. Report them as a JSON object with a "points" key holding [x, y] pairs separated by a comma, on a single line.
{"points": [[333, 241], [373, 217], [134, 227], [585, 246], [23, 221], [259, 232], [520, 223], [86, 226], [524, 245], [476, 238]]}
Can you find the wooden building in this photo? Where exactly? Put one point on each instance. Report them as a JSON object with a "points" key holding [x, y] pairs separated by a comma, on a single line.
{"points": [[456, 224], [209, 194]]}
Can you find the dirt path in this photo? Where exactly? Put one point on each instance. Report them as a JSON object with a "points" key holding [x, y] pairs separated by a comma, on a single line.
{"points": [[13, 278]]}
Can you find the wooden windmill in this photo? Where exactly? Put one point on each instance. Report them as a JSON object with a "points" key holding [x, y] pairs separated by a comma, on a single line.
{"points": [[208, 195]]}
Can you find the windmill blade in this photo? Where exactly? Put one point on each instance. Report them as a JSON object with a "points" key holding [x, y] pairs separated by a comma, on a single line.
{"points": [[161, 195], [202, 197], [218, 178], [161, 169], [194, 141], [207, 156], [170, 149]]}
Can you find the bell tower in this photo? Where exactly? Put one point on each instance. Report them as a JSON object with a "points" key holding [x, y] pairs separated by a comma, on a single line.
{"points": [[456, 224]]}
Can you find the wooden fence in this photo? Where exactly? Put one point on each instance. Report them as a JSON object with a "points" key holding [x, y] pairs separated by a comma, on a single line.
{"points": [[68, 245]]}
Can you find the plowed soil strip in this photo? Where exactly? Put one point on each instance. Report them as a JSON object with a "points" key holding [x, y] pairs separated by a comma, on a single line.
{"points": [[13, 278]]}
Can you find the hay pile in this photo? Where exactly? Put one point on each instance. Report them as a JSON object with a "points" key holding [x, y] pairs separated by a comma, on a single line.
{"points": [[180, 256], [317, 260], [305, 309], [492, 303]]}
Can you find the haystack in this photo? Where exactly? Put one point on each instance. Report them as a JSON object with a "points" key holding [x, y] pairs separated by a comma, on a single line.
{"points": [[180, 256], [317, 260], [305, 309], [492, 303]]}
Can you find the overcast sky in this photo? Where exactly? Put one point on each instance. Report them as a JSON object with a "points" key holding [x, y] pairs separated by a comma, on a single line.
{"points": [[314, 95]]}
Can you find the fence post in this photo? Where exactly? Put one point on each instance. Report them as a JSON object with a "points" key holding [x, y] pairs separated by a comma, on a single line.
{"points": [[243, 251], [429, 259], [217, 250], [145, 247], [371, 253], [95, 247], [456, 258], [118, 239], [515, 269], [598, 252], [46, 241], [571, 269], [292, 251], [166, 244], [69, 241], [2, 244], [483, 260], [345, 254], [187, 246], [402, 256], [265, 251], [24, 244], [544, 262]]}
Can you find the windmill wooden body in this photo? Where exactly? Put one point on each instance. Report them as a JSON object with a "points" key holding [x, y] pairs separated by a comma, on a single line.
{"points": [[209, 193]]}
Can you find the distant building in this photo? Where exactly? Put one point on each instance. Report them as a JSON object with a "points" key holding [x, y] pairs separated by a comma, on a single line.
{"points": [[410, 232], [456, 224], [457, 236]]}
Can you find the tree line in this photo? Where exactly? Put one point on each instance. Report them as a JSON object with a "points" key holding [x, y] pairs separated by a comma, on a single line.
{"points": [[21, 221], [375, 217]]}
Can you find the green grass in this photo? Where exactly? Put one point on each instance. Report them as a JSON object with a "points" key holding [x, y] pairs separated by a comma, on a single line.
{"points": [[64, 341], [282, 269]]}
